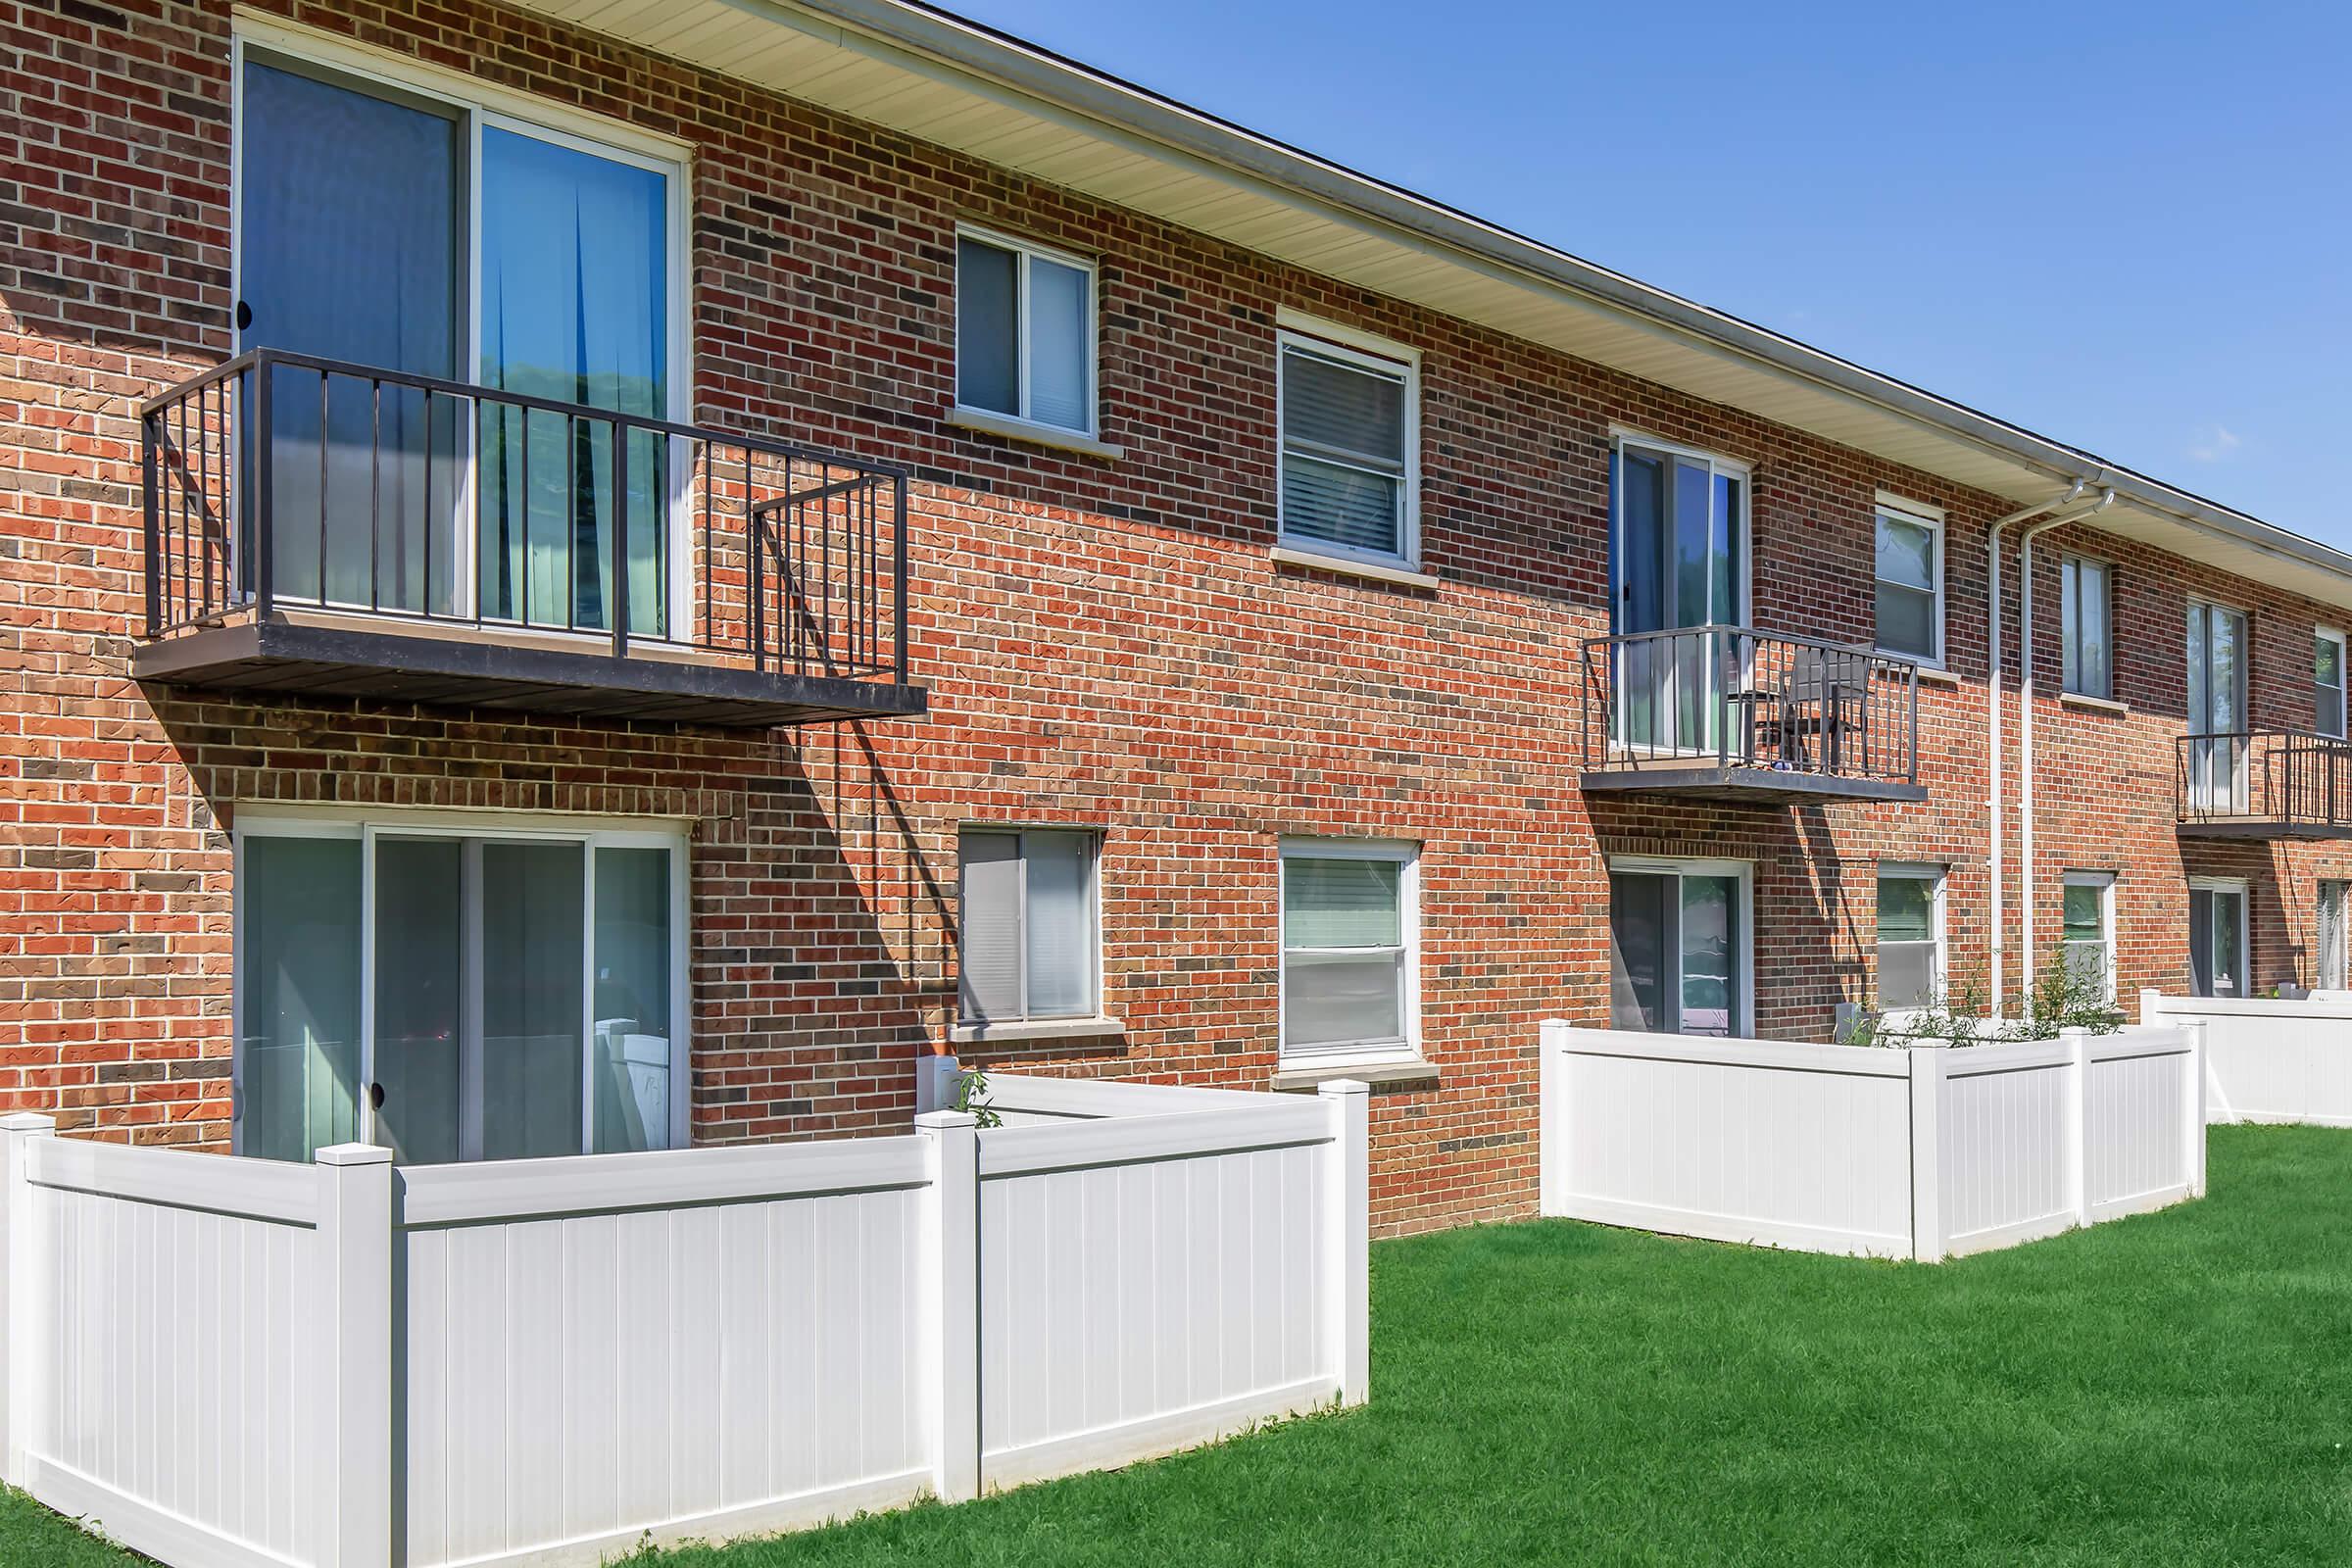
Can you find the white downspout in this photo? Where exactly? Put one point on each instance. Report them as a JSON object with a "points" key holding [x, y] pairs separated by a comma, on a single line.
{"points": [[2025, 720], [1992, 724]]}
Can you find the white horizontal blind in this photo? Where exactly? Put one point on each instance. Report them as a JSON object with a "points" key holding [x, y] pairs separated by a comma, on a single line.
{"points": [[1907, 939], [1907, 576], [1058, 346], [1344, 451], [1343, 951]]}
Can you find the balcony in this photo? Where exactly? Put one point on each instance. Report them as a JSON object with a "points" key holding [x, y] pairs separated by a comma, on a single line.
{"points": [[1732, 714], [2264, 784], [341, 532]]}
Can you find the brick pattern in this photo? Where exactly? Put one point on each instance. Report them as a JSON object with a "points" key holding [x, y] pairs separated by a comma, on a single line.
{"points": [[1106, 642]]}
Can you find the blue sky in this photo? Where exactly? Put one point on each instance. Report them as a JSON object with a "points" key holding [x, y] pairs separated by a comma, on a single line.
{"points": [[2127, 226]]}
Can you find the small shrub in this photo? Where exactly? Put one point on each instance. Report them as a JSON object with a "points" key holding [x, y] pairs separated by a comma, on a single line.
{"points": [[2063, 995]]}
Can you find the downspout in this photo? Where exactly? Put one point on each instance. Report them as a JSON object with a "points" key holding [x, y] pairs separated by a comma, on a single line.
{"points": [[1992, 722], [2025, 717]]}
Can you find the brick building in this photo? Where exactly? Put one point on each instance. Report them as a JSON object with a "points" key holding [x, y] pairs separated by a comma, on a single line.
{"points": [[460, 464]]}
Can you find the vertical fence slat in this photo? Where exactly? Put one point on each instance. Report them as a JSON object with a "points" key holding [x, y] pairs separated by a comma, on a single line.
{"points": [[355, 1464], [949, 1314]]}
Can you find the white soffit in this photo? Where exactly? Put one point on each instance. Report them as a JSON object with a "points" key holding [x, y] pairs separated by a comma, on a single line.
{"points": [[929, 76]]}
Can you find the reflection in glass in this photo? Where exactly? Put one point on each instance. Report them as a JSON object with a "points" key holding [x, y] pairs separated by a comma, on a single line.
{"points": [[298, 978], [419, 996], [533, 932], [633, 946]]}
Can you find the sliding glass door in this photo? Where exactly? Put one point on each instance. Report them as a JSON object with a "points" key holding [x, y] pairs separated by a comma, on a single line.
{"points": [[2217, 708], [398, 230], [459, 992], [1679, 948], [1675, 564], [2218, 959]]}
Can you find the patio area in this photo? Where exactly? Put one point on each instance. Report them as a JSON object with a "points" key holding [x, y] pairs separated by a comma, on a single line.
{"points": [[2164, 1388]]}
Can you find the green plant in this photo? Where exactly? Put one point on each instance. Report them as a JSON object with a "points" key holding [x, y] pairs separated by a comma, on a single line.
{"points": [[2065, 995], [971, 1089]]}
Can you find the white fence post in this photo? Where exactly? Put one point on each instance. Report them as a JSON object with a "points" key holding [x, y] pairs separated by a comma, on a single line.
{"points": [[1551, 1118], [21, 1357], [1927, 1131], [355, 1237], [2192, 1116], [2151, 1006], [2076, 1133], [1347, 1234], [948, 1312], [935, 1083]]}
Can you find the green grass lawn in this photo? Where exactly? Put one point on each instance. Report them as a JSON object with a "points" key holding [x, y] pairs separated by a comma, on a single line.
{"points": [[2173, 1388]]}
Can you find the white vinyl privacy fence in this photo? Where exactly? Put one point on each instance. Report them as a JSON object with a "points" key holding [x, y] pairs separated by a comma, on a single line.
{"points": [[228, 1362], [2268, 1061], [1925, 1153]]}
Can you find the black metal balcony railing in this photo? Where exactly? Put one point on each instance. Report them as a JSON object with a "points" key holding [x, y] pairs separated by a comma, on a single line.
{"points": [[283, 480], [1733, 698], [2264, 780]]}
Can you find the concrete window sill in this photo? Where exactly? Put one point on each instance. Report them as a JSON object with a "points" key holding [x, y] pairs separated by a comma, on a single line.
{"points": [[1936, 678], [1347, 566], [1413, 1072], [1043, 435], [2092, 705], [1014, 1030]]}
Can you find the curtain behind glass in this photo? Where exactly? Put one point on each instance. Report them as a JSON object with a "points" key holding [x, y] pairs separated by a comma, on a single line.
{"points": [[348, 251], [420, 1002], [989, 897], [298, 979], [1059, 923], [574, 306], [532, 965], [1058, 351], [632, 999], [1641, 912]]}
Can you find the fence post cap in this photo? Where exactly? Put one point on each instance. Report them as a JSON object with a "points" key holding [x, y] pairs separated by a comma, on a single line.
{"points": [[27, 1121], [353, 1155], [944, 1120], [1343, 1086]]}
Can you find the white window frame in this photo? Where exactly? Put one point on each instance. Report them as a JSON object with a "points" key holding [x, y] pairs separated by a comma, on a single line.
{"points": [[2104, 881], [1026, 252], [2343, 673], [1919, 515], [476, 104], [1094, 914], [1352, 1053], [366, 824], [1375, 356], [2069, 601], [1935, 876], [1743, 875], [2243, 889]]}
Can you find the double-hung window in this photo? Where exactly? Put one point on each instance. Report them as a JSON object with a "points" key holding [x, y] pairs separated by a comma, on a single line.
{"points": [[1030, 936], [1349, 951], [1910, 580], [1349, 450], [458, 987], [1024, 332], [1910, 936], [2328, 681], [2085, 609], [2087, 928]]}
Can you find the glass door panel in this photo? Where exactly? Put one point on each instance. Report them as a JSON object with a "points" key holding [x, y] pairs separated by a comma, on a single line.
{"points": [[419, 997], [2217, 708], [347, 249], [534, 968], [574, 307], [1709, 952], [632, 999], [1676, 566], [2216, 928], [1641, 914], [298, 990]]}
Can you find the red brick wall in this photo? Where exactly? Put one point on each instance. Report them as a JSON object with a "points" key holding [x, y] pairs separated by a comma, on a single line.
{"points": [[1106, 643]]}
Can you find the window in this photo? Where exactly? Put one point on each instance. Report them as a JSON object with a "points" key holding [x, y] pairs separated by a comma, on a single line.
{"points": [[413, 228], [1351, 942], [2085, 614], [2328, 681], [1030, 937], [1678, 555], [458, 987], [1678, 947], [2086, 928], [2217, 956], [1910, 584], [2329, 973], [2218, 749], [1910, 936], [1349, 449], [1024, 332]]}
